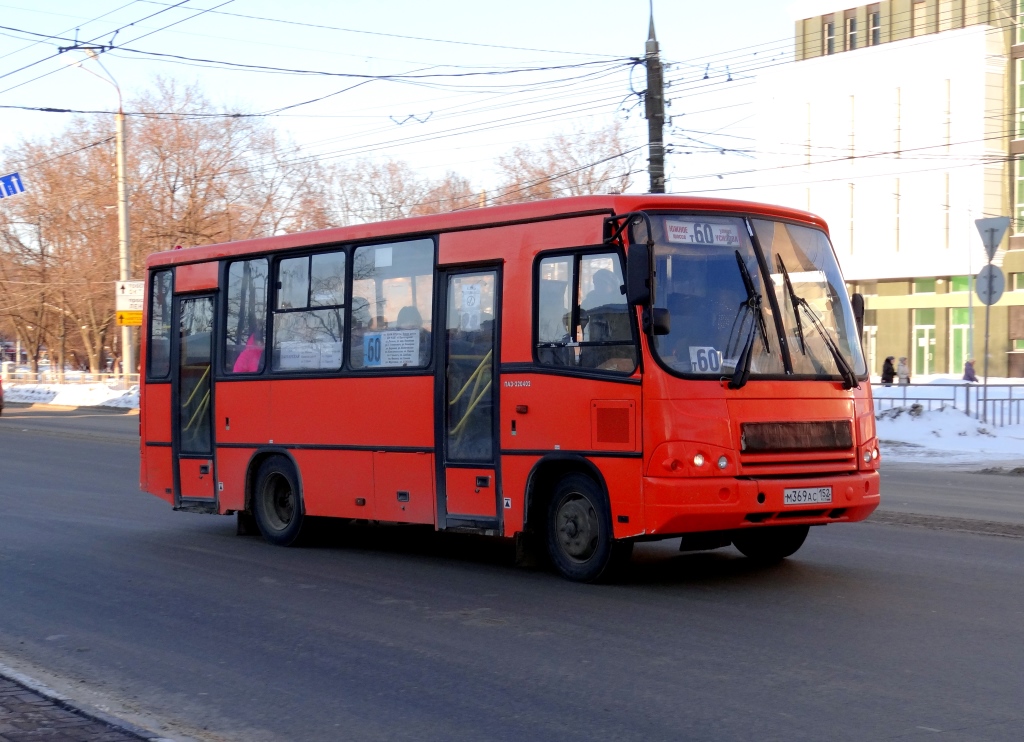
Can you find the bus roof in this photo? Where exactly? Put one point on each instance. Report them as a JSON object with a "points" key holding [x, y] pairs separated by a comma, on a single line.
{"points": [[492, 216]]}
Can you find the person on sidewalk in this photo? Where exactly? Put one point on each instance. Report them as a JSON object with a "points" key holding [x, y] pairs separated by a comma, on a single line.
{"points": [[903, 371], [969, 374], [888, 371]]}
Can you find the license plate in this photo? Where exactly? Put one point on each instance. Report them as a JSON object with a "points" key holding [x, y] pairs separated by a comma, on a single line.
{"points": [[806, 495]]}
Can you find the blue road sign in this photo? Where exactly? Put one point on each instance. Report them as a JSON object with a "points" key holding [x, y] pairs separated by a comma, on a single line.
{"points": [[11, 185]]}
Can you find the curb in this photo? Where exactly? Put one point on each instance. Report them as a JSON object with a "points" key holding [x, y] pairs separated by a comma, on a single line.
{"points": [[88, 712]]}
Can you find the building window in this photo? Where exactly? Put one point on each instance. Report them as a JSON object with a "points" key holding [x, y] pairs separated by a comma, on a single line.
{"points": [[829, 36], [851, 33], [924, 286], [919, 13], [1017, 281], [959, 284], [875, 37]]}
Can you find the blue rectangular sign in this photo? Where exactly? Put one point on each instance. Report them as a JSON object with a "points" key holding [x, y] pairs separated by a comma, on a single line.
{"points": [[11, 185]]}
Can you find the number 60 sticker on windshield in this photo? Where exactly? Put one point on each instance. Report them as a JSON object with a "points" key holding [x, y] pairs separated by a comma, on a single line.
{"points": [[705, 359]]}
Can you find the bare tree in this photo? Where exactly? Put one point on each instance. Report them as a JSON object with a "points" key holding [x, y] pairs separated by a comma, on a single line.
{"points": [[579, 163]]}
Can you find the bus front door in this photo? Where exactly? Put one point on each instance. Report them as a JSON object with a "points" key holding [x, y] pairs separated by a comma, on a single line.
{"points": [[192, 403], [467, 401]]}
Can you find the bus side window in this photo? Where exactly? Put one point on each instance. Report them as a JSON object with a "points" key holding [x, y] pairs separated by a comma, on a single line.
{"points": [[309, 313], [554, 299], [589, 287], [246, 322], [607, 342], [392, 303], [160, 325]]}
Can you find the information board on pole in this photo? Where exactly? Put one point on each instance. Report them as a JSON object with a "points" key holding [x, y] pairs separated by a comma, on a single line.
{"points": [[129, 319], [128, 296]]}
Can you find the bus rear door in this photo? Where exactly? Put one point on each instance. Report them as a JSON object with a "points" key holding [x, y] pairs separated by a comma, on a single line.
{"points": [[467, 400]]}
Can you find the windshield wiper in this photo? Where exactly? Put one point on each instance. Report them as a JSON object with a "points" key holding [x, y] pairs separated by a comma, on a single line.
{"points": [[795, 301], [845, 370], [752, 306]]}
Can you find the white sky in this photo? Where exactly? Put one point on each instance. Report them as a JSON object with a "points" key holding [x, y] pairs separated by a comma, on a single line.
{"points": [[467, 129]]}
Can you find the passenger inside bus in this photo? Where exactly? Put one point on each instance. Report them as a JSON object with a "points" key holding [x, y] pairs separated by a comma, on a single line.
{"points": [[409, 319], [248, 361]]}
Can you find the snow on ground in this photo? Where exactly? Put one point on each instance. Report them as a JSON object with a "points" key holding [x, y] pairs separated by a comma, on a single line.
{"points": [[946, 436], [72, 395]]}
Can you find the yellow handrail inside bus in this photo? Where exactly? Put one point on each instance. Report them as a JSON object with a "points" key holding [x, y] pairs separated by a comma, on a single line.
{"points": [[473, 377]]}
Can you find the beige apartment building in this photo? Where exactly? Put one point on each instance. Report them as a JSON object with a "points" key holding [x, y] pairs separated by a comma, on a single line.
{"points": [[901, 123]]}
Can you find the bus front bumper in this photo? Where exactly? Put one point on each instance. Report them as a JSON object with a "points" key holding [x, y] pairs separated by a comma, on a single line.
{"points": [[675, 505]]}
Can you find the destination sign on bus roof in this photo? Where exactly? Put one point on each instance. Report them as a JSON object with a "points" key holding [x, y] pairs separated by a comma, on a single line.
{"points": [[701, 233]]}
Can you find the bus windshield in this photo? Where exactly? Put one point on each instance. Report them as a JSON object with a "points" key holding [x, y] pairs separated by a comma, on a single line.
{"points": [[709, 278]]}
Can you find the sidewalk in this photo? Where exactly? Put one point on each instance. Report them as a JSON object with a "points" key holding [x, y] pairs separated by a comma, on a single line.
{"points": [[28, 715]]}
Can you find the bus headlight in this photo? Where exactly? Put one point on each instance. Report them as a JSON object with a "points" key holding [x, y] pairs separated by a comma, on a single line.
{"points": [[722, 462], [698, 460]]}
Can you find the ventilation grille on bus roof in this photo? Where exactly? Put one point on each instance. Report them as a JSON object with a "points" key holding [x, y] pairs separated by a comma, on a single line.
{"points": [[827, 435]]}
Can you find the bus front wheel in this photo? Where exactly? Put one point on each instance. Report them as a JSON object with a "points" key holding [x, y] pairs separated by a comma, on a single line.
{"points": [[770, 543], [579, 531], [276, 502]]}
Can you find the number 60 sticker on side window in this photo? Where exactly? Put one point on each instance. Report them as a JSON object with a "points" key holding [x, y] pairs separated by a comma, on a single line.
{"points": [[705, 359]]}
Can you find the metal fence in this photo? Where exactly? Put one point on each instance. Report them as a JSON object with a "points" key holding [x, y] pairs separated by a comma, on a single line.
{"points": [[1004, 406], [120, 382]]}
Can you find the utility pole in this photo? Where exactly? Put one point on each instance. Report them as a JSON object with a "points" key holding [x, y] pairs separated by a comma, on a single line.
{"points": [[654, 108]]}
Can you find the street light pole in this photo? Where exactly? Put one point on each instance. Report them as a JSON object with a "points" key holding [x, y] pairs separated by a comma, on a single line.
{"points": [[123, 233], [123, 236]]}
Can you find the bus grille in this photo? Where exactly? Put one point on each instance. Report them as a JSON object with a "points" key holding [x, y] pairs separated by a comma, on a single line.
{"points": [[827, 435]]}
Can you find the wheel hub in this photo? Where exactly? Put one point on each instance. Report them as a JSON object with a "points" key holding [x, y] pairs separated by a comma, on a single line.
{"points": [[578, 528]]}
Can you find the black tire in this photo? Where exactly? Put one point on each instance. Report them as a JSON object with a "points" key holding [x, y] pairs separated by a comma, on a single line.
{"points": [[277, 502], [770, 544], [579, 531]]}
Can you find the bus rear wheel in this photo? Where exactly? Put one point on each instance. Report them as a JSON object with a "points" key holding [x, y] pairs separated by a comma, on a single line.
{"points": [[579, 532], [770, 544], [277, 504]]}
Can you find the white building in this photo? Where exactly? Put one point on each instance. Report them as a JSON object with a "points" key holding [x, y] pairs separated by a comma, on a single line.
{"points": [[897, 123]]}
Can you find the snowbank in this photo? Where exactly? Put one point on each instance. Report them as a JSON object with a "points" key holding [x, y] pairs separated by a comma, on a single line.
{"points": [[72, 395], [947, 436]]}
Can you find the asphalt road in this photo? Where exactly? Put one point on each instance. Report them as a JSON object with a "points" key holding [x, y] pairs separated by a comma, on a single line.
{"points": [[872, 632]]}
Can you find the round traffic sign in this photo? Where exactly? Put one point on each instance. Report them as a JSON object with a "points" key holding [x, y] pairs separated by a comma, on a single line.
{"points": [[990, 284]]}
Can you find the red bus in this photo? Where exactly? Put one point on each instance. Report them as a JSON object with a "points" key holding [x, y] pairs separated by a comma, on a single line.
{"points": [[577, 374]]}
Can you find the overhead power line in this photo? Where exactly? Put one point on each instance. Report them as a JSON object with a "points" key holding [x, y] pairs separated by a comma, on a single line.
{"points": [[395, 35]]}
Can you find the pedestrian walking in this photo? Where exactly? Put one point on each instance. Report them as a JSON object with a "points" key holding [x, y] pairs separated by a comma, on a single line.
{"points": [[903, 371], [969, 374], [888, 371]]}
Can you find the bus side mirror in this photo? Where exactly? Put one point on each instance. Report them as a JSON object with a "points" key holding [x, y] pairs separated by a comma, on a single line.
{"points": [[661, 321], [857, 303], [638, 274]]}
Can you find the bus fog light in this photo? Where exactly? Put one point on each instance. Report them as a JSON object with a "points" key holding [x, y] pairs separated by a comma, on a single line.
{"points": [[722, 462], [698, 460]]}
